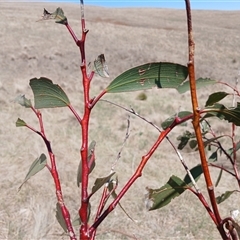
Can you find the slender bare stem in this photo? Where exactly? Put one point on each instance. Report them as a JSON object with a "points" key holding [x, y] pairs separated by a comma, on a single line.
{"points": [[196, 125]]}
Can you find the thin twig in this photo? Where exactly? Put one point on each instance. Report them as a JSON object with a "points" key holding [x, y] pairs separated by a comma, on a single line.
{"points": [[124, 142]]}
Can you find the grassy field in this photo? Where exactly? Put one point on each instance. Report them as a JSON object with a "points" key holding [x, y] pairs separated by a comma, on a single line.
{"points": [[127, 37]]}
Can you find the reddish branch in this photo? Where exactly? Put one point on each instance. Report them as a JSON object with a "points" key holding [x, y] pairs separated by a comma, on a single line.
{"points": [[196, 125], [54, 173]]}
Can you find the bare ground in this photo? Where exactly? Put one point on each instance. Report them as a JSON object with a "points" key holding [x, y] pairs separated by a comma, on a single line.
{"points": [[127, 37]]}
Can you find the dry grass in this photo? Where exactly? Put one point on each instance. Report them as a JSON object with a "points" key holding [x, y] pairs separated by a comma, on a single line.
{"points": [[127, 37]]}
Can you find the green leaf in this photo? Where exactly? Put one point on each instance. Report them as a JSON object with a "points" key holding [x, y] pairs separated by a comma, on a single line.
{"points": [[91, 150], [20, 123], [230, 150], [196, 173], [99, 182], [193, 143], [200, 82], [146, 76], [58, 15], [169, 121], [210, 140], [213, 157], [215, 97], [219, 178], [159, 198], [184, 138], [23, 101], [47, 94], [36, 166], [219, 110], [60, 218], [224, 196]]}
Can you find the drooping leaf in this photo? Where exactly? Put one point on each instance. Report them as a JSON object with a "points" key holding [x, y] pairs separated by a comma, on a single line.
{"points": [[169, 121], [91, 161], [114, 195], [77, 221], [224, 196], [215, 97], [210, 140], [60, 218], [47, 94], [23, 101], [230, 150], [158, 198], [184, 138], [20, 123], [195, 172], [219, 110], [58, 15], [101, 67], [200, 82], [146, 76], [36, 166], [219, 178], [99, 182], [213, 157]]}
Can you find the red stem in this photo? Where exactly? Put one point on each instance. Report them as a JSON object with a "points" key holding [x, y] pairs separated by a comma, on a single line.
{"points": [[54, 173], [136, 175]]}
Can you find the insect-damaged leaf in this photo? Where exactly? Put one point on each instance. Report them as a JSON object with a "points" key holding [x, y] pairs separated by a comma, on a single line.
{"points": [[91, 162], [158, 198], [146, 76], [60, 218], [224, 196], [47, 94], [219, 110], [23, 101], [215, 97], [99, 182], [36, 166], [101, 67], [20, 123], [58, 15]]}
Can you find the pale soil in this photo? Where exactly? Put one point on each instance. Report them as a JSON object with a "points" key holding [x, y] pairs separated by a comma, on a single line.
{"points": [[127, 37]]}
